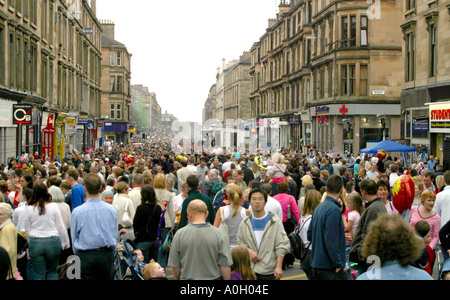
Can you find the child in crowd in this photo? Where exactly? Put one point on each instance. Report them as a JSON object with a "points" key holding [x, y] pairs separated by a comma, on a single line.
{"points": [[356, 208], [153, 271], [278, 169], [426, 260], [140, 264], [241, 268]]}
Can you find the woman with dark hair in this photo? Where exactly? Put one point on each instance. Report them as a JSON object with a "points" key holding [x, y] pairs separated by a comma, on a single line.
{"points": [[146, 223], [46, 234], [27, 181]]}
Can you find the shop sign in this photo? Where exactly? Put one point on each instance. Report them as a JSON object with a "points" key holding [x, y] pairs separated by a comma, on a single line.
{"points": [[22, 114], [319, 110], [294, 119], [439, 118]]}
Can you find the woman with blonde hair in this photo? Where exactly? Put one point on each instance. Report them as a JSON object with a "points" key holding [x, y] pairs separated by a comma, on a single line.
{"points": [[164, 196], [232, 214], [312, 200]]}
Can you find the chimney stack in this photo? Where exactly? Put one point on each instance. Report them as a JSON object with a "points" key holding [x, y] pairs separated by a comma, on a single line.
{"points": [[108, 28]]}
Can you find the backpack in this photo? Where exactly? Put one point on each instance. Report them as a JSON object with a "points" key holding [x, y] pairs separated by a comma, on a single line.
{"points": [[298, 248], [217, 187]]}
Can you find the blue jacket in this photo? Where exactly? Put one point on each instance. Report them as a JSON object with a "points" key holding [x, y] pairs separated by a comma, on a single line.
{"points": [[327, 235]]}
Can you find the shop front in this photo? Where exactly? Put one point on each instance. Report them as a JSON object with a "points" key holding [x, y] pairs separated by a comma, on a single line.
{"points": [[117, 132], [8, 137], [347, 128], [48, 135], [439, 118]]}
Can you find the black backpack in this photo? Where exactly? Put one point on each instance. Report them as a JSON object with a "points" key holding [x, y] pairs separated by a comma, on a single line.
{"points": [[298, 248]]}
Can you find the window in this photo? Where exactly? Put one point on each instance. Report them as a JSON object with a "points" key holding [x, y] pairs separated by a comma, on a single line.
{"points": [[352, 85], [410, 4], [34, 68], [352, 31], [119, 84], [364, 74], [433, 50], [12, 66], [288, 99], [322, 83], [308, 52], [119, 58], [409, 57], [308, 91], [119, 111], [330, 80], [344, 80], [364, 30], [112, 111], [112, 56], [288, 62], [113, 83], [344, 31]]}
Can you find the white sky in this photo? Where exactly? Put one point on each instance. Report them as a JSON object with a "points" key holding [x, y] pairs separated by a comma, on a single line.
{"points": [[177, 45]]}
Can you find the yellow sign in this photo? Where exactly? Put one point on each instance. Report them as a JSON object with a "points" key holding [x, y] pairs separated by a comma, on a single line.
{"points": [[70, 121]]}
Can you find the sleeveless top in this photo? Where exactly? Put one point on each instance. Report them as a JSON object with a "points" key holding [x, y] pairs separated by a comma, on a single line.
{"points": [[233, 222]]}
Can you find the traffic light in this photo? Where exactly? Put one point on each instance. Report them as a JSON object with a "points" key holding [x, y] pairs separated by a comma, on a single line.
{"points": [[144, 137], [383, 123], [349, 126]]}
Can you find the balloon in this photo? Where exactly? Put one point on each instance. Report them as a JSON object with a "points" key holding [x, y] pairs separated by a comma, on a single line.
{"points": [[258, 164], [403, 193]]}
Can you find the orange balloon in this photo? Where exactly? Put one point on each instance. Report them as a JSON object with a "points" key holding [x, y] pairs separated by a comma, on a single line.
{"points": [[403, 193]]}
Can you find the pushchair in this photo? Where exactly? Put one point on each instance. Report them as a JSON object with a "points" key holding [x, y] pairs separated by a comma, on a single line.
{"points": [[125, 261]]}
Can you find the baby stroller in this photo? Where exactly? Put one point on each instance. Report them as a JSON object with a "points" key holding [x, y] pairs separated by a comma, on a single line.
{"points": [[125, 261]]}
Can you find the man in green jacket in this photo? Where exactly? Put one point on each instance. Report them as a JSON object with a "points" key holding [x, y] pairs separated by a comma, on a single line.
{"points": [[195, 194]]}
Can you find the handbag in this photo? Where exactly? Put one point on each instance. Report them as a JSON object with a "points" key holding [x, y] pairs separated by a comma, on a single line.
{"points": [[165, 247], [290, 216], [298, 248], [223, 227], [126, 220]]}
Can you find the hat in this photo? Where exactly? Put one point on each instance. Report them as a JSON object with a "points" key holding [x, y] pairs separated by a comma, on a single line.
{"points": [[105, 193]]}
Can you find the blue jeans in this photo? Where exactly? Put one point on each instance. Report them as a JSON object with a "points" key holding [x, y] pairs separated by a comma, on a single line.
{"points": [[44, 257], [148, 250]]}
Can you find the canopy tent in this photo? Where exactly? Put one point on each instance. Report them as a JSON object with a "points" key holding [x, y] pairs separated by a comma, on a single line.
{"points": [[390, 146]]}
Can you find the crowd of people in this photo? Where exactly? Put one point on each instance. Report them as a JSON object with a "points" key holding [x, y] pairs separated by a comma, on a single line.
{"points": [[221, 215]]}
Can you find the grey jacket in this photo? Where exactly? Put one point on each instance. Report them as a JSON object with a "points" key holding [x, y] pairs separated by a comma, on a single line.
{"points": [[371, 212], [275, 242]]}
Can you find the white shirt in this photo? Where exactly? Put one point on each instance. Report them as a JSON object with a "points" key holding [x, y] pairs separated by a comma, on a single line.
{"points": [[178, 202], [272, 206], [46, 225], [371, 175], [304, 225], [226, 167], [392, 179]]}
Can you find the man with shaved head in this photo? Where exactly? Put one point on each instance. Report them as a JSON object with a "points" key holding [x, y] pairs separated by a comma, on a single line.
{"points": [[199, 250]]}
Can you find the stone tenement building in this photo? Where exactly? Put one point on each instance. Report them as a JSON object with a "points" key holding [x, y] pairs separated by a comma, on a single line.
{"points": [[49, 77], [426, 77], [328, 73]]}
